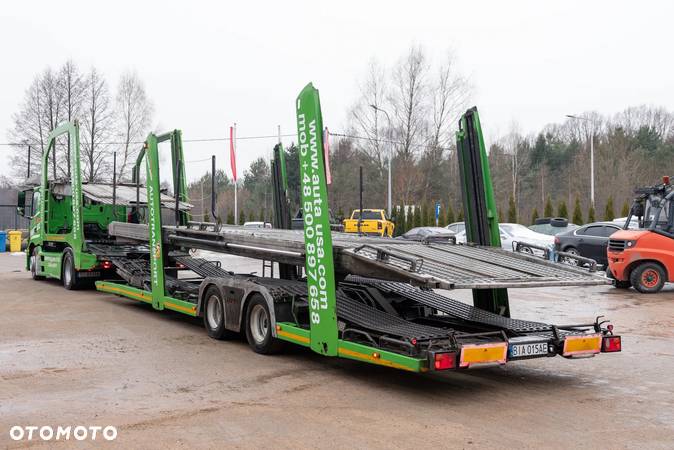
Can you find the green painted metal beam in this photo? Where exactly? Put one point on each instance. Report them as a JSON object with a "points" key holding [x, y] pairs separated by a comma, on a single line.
{"points": [[319, 265]]}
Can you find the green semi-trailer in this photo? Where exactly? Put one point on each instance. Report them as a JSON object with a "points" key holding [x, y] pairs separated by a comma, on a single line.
{"points": [[359, 298]]}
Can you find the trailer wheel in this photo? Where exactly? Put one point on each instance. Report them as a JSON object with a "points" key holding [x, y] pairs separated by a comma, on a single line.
{"points": [[68, 272], [214, 314], [258, 327], [648, 278], [34, 257]]}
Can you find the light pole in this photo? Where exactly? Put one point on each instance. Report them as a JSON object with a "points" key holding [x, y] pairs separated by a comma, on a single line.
{"points": [[388, 118], [571, 116]]}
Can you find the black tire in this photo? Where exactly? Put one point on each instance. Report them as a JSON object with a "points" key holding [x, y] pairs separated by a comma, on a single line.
{"points": [[648, 277], [527, 250], [559, 222], [542, 221], [259, 327], [33, 264], [69, 273], [573, 251], [214, 314]]}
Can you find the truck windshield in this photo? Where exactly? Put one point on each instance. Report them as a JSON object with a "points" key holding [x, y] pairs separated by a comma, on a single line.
{"points": [[367, 215]]}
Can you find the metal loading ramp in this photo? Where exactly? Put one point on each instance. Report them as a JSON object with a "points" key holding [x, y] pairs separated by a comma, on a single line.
{"points": [[433, 265]]}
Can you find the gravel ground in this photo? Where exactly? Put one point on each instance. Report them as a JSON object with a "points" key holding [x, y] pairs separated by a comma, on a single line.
{"points": [[88, 358]]}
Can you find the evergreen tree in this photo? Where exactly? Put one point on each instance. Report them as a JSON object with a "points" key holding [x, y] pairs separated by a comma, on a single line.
{"points": [[534, 215], [548, 211], [230, 217], [424, 214], [402, 227], [562, 211], [449, 215], [340, 214], [609, 214], [459, 215], [577, 212], [417, 217], [626, 209], [500, 214], [262, 216], [242, 217], [512, 210], [590, 215]]}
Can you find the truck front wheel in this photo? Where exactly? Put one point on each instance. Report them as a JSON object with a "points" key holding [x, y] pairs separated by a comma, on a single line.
{"points": [[648, 278], [258, 327], [34, 260], [68, 272]]}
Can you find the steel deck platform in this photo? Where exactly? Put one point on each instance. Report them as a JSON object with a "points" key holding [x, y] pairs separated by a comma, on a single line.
{"points": [[433, 265]]}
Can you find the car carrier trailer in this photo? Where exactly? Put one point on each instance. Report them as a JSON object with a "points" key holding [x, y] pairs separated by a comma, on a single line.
{"points": [[368, 299]]}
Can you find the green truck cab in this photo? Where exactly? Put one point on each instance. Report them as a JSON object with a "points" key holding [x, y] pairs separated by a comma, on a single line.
{"points": [[371, 222]]}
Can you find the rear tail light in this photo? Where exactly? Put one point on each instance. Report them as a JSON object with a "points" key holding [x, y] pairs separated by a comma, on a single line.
{"points": [[611, 344], [106, 265], [379, 225], [444, 361]]}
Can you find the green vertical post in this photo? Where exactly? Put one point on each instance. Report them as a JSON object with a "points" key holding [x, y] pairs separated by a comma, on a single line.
{"points": [[154, 221], [319, 264], [479, 205]]}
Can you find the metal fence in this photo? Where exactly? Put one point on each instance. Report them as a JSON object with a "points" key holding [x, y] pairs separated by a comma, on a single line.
{"points": [[9, 219]]}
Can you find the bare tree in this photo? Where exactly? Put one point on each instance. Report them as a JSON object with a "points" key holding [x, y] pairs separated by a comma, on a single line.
{"points": [[97, 121], [72, 93], [134, 113], [408, 98], [28, 130], [368, 121]]}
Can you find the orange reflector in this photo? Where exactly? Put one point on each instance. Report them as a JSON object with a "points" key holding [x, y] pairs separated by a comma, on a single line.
{"points": [[483, 353], [582, 345]]}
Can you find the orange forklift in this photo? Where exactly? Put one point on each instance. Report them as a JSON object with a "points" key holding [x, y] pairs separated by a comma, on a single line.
{"points": [[644, 258]]}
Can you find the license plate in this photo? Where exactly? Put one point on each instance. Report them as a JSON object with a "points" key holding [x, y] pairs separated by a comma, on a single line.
{"points": [[531, 349]]}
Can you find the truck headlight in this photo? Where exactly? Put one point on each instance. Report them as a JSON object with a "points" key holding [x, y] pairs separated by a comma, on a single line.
{"points": [[630, 244]]}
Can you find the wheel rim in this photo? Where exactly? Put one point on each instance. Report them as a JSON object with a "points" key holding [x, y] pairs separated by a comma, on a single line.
{"points": [[67, 272], [214, 312], [259, 324], [650, 278], [527, 250], [33, 263]]}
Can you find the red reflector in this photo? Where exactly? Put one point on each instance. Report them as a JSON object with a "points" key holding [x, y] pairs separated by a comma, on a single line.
{"points": [[611, 344], [665, 179], [106, 265], [444, 361]]}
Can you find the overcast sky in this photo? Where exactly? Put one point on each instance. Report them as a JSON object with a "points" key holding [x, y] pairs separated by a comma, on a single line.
{"points": [[207, 65]]}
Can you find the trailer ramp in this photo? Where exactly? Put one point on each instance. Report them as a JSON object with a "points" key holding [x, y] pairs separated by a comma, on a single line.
{"points": [[433, 265]]}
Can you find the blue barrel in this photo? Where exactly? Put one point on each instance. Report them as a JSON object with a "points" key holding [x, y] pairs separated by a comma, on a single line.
{"points": [[3, 241]]}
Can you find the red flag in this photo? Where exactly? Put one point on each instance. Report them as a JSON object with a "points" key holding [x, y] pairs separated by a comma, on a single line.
{"points": [[232, 153], [326, 155]]}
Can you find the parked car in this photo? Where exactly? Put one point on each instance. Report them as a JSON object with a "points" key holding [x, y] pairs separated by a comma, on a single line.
{"points": [[589, 241], [456, 227], [514, 232], [428, 234], [374, 223], [297, 222], [552, 225], [257, 225]]}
